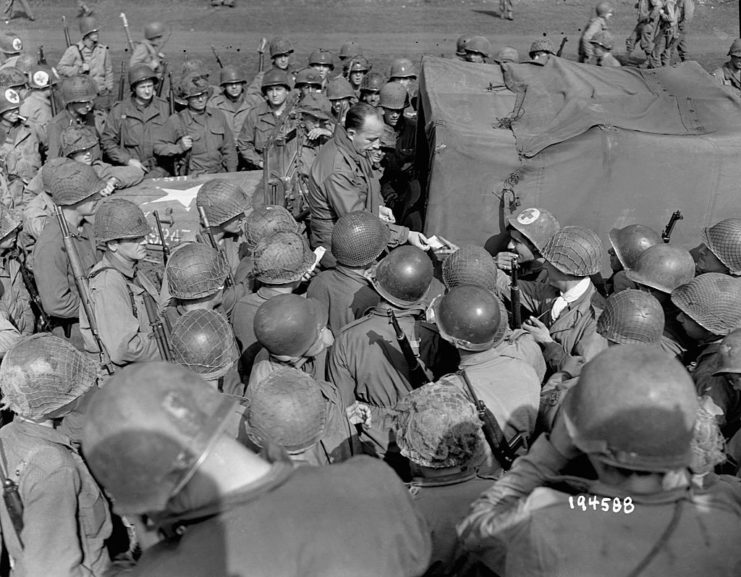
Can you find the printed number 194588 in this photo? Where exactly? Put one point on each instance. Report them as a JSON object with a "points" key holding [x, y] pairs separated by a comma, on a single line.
{"points": [[604, 504]]}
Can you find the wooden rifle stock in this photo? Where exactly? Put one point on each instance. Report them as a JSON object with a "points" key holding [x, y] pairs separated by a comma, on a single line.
{"points": [[67, 39], [418, 375], [218, 58], [165, 248], [216, 245], [161, 335], [666, 234], [564, 40]]}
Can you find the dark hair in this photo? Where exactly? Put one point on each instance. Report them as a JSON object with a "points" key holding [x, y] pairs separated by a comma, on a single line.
{"points": [[356, 115]]}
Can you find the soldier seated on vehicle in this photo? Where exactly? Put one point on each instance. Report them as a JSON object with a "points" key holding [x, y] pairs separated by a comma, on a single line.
{"points": [[632, 414], [602, 44], [477, 49], [342, 96], [627, 244], [370, 88], [541, 51], [729, 74], [720, 250], [358, 68], [308, 81]]}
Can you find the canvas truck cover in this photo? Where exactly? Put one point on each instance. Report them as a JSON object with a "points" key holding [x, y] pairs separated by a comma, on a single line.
{"points": [[599, 147]]}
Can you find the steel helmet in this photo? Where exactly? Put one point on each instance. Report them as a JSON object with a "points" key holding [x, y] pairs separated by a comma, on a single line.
{"points": [[316, 105], [724, 240], [402, 68], [221, 200], [542, 45], [470, 317], [42, 374], [288, 325], [9, 221], [321, 57], [231, 75], [77, 138], [49, 170], [264, 221], [286, 408], [118, 218], [359, 238], [350, 49], [631, 317], [507, 54], [358, 64], [662, 267], [603, 8], [10, 43], [633, 407], [275, 77], [282, 258], [9, 100], [139, 73], [403, 277], [339, 88], [478, 44], [574, 250], [735, 49], [280, 46], [460, 45], [203, 341], [154, 30], [713, 300], [195, 270], [630, 241], [308, 77], [536, 224], [78, 89], [25, 62], [437, 426], [88, 25], [148, 430], [394, 96], [193, 85], [730, 354], [603, 39], [372, 82], [11, 77], [470, 265], [194, 66], [73, 182], [42, 76]]}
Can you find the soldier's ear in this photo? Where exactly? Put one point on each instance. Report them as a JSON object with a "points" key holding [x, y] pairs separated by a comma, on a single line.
{"points": [[351, 132]]}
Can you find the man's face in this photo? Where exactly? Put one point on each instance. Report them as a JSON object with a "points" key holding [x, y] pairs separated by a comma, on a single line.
{"points": [[736, 62], [144, 90], [233, 89], [91, 40], [476, 57], [281, 61], [708, 262], [519, 244], [84, 156], [198, 102], [369, 136], [10, 116], [405, 82], [309, 88], [80, 109], [276, 95], [322, 69], [234, 225], [340, 105], [131, 248], [372, 98], [391, 116], [356, 77]]}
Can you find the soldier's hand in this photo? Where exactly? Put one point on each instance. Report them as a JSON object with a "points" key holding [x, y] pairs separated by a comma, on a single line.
{"points": [[110, 187], [359, 414], [136, 163], [418, 239], [504, 260], [85, 67], [186, 142], [315, 133], [386, 214], [538, 330]]}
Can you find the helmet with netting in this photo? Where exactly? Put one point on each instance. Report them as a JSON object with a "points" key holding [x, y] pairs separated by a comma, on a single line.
{"points": [[470, 265], [471, 318], [221, 200], [288, 325], [730, 354], [50, 168], [77, 138], [358, 64], [460, 45], [195, 270], [574, 250], [630, 317], [542, 45], [712, 300], [479, 45], [73, 182], [282, 258], [118, 218], [286, 408], [630, 241], [12, 77], [372, 82], [536, 224], [279, 46], [403, 277], [42, 374], [634, 407], [265, 221], [358, 238], [437, 426], [724, 240], [80, 88], [9, 221], [662, 267], [203, 341], [507, 54], [148, 430]]}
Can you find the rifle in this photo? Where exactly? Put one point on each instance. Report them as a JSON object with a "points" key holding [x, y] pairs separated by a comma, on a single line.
{"points": [[129, 41], [161, 85], [42, 57], [66, 32], [274, 139], [165, 248], [218, 58], [171, 94], [514, 295], [564, 40], [12, 500], [261, 54], [216, 245], [121, 81], [418, 375], [82, 288], [503, 451], [666, 235], [43, 320], [52, 98], [161, 334]]}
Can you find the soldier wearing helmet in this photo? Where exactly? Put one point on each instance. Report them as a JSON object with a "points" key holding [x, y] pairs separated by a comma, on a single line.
{"points": [[342, 180], [460, 47], [11, 48], [261, 120], [404, 72], [199, 137], [342, 96], [20, 152], [118, 290], [477, 49], [233, 101], [128, 137], [541, 51], [367, 364], [566, 307], [370, 88], [75, 188], [729, 73], [36, 106], [16, 302], [357, 69], [280, 52], [315, 128], [91, 58], [349, 51], [649, 16], [216, 489], [626, 245], [149, 50], [322, 61], [632, 413], [308, 81], [596, 24], [720, 250], [43, 379], [602, 44]]}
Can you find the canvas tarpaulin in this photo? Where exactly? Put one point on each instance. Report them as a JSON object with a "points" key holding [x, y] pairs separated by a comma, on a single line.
{"points": [[598, 147]]}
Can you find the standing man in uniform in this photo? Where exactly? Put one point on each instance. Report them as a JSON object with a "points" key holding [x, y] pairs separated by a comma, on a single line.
{"points": [[36, 105], [89, 57], [596, 24], [149, 50], [232, 101]]}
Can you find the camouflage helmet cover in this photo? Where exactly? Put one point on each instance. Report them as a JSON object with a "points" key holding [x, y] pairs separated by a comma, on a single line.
{"points": [[195, 270], [77, 138], [282, 258], [470, 265], [574, 250], [221, 200], [203, 341], [713, 300], [542, 45], [73, 182], [118, 218], [724, 240], [359, 238], [394, 96], [265, 221]]}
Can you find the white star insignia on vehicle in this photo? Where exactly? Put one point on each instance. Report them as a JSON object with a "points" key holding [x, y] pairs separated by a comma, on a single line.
{"points": [[183, 196]]}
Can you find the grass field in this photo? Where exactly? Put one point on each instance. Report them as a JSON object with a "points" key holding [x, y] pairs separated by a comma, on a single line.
{"points": [[385, 28]]}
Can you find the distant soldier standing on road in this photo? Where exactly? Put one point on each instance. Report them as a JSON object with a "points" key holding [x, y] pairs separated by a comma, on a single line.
{"points": [[89, 57], [596, 24]]}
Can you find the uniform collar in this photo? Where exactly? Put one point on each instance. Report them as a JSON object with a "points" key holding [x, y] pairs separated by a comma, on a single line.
{"points": [[577, 291], [124, 266], [41, 432]]}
